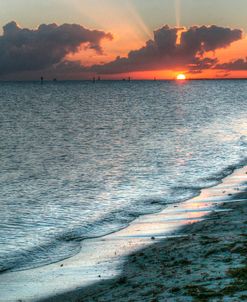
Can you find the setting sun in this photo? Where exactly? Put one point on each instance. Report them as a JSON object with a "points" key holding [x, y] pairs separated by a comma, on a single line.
{"points": [[181, 76]]}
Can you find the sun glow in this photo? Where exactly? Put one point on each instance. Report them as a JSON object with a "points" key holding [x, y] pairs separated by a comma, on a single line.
{"points": [[181, 76]]}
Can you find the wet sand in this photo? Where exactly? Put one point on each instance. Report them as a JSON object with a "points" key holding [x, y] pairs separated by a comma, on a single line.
{"points": [[176, 255], [208, 263]]}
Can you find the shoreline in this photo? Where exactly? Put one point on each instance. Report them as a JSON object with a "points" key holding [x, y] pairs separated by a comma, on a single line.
{"points": [[205, 262], [65, 280]]}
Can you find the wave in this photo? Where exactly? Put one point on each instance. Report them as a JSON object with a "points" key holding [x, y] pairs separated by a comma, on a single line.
{"points": [[68, 244]]}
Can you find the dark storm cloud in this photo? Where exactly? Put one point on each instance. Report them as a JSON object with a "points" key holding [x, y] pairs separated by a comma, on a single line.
{"points": [[201, 64], [45, 49], [163, 52], [64, 67], [202, 39], [239, 64], [23, 49]]}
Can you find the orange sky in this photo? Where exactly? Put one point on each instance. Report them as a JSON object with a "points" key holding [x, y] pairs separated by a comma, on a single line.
{"points": [[132, 23], [131, 31], [121, 46]]}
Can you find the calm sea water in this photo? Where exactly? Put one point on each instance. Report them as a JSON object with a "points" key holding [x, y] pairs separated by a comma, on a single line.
{"points": [[80, 159]]}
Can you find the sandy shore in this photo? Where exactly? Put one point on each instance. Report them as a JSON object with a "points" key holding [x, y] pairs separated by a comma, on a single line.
{"points": [[206, 263], [192, 251]]}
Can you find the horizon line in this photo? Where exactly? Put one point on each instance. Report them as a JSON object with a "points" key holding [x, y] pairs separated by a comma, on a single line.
{"points": [[127, 80]]}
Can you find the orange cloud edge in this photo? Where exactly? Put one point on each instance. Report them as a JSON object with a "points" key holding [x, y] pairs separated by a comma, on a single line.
{"points": [[233, 52]]}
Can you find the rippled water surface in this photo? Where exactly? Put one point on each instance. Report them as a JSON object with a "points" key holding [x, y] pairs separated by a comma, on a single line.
{"points": [[80, 159]]}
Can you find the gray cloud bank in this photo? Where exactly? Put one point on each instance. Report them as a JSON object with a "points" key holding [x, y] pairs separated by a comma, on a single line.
{"points": [[240, 64], [45, 49], [164, 53], [23, 49]]}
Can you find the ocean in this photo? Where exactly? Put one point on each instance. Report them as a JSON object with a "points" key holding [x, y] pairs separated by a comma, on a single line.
{"points": [[81, 160]]}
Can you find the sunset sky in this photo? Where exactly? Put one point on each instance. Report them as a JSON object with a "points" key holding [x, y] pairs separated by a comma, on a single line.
{"points": [[115, 38]]}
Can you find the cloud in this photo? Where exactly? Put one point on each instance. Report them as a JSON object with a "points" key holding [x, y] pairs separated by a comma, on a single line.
{"points": [[201, 64], [203, 39], [163, 52], [65, 70], [29, 50], [240, 64], [45, 49]]}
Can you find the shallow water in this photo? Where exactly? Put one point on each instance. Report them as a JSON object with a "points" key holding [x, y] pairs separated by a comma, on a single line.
{"points": [[80, 160]]}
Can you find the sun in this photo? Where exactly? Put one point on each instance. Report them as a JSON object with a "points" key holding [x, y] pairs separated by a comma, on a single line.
{"points": [[181, 76]]}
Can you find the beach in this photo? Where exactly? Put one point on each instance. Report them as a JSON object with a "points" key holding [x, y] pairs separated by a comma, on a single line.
{"points": [[86, 184], [207, 263], [123, 129], [76, 167], [192, 251]]}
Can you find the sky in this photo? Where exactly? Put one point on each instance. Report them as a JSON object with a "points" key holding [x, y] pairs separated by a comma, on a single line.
{"points": [[143, 39]]}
